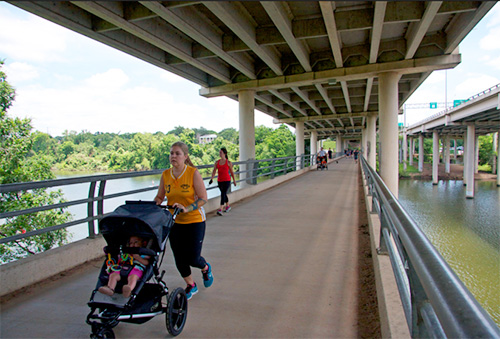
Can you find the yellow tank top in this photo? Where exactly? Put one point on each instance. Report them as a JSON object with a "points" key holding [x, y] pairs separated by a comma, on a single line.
{"points": [[181, 190]]}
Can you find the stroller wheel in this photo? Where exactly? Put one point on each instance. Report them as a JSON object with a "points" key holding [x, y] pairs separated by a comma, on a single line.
{"points": [[176, 314], [103, 333]]}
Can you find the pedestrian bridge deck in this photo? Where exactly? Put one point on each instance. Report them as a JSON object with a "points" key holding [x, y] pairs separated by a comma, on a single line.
{"points": [[286, 264]]}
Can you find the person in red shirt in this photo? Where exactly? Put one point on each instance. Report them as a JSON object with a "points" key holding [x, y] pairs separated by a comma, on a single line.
{"points": [[225, 169]]}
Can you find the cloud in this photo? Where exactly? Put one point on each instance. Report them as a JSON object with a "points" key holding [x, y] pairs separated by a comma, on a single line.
{"points": [[474, 84], [495, 63], [111, 79], [19, 71], [25, 38], [491, 41]]}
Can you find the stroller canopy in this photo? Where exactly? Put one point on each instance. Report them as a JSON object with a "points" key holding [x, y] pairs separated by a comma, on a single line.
{"points": [[143, 219]]}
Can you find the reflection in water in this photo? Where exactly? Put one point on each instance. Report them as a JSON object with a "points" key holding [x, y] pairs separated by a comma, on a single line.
{"points": [[465, 231]]}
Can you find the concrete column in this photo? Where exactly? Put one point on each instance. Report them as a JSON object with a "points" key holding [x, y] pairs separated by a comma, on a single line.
{"points": [[464, 158], [495, 160], [247, 130], [498, 160], [455, 150], [314, 144], [299, 141], [405, 150], [371, 140], [421, 153], [388, 130], [412, 150], [471, 138], [338, 143], [476, 155], [446, 150], [435, 157], [363, 141]]}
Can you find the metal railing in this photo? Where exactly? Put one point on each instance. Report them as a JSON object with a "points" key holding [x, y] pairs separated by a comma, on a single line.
{"points": [[436, 303], [254, 171]]}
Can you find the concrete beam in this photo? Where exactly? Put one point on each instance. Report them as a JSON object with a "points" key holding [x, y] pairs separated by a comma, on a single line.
{"points": [[342, 74]]}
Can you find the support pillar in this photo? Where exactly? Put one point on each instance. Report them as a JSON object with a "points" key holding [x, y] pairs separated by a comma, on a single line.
{"points": [[412, 150], [476, 155], [495, 160], [464, 158], [446, 150], [314, 145], [435, 157], [371, 140], [498, 160], [421, 153], [388, 130], [338, 143], [299, 142], [471, 138], [247, 131], [455, 150], [405, 150]]}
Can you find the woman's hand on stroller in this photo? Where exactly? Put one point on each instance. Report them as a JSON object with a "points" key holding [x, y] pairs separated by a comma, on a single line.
{"points": [[180, 207]]}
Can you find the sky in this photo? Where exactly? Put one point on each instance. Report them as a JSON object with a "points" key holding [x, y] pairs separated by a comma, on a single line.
{"points": [[66, 81]]}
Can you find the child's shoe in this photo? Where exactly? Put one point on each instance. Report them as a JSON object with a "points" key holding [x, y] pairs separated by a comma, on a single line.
{"points": [[219, 211], [228, 208], [191, 290]]}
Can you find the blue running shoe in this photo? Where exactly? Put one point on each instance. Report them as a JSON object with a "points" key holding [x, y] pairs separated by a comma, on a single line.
{"points": [[191, 290], [208, 277]]}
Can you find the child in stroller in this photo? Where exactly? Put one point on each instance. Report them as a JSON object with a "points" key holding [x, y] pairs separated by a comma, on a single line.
{"points": [[321, 162], [132, 265], [133, 230]]}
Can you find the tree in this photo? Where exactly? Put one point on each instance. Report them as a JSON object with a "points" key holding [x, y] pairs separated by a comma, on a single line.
{"points": [[18, 164]]}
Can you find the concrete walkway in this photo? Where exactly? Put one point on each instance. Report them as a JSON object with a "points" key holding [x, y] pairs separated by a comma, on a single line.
{"points": [[285, 264]]}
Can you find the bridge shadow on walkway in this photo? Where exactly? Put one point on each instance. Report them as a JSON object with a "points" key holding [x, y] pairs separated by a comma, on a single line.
{"points": [[285, 263]]}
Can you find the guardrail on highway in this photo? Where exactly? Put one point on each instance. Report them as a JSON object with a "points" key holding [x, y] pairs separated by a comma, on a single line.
{"points": [[436, 303]]}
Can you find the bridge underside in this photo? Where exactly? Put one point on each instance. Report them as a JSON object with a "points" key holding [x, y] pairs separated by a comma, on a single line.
{"points": [[307, 61]]}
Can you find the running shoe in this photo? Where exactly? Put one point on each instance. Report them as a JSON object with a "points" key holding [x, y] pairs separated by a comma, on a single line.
{"points": [[228, 208], [191, 290], [219, 212], [208, 277]]}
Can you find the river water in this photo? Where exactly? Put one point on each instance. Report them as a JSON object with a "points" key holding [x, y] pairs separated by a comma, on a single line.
{"points": [[80, 191], [465, 231]]}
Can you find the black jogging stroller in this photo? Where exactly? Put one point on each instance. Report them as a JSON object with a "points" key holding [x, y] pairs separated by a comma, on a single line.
{"points": [[152, 223]]}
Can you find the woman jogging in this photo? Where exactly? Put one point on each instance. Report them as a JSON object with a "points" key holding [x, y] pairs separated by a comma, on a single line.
{"points": [[225, 169], [183, 186]]}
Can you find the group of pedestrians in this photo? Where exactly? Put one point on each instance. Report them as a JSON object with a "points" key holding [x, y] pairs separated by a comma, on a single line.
{"points": [[352, 153]]}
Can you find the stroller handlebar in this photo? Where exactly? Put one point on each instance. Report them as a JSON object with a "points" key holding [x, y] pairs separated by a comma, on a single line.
{"points": [[170, 207]]}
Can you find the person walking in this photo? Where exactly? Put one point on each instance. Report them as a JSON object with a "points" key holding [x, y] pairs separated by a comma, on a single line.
{"points": [[225, 169], [184, 189]]}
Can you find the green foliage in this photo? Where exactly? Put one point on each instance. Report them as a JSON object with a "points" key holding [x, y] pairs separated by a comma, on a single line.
{"points": [[328, 143], [409, 169], [19, 163], [486, 152]]}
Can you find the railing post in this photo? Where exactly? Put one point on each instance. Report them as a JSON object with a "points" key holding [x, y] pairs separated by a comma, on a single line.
{"points": [[382, 250], [100, 203], [255, 169], [90, 209], [273, 172]]}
